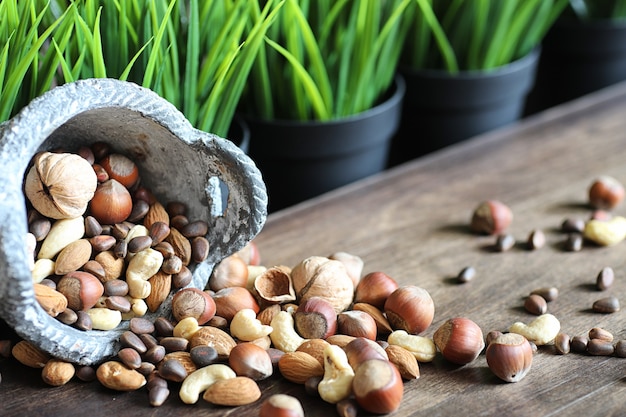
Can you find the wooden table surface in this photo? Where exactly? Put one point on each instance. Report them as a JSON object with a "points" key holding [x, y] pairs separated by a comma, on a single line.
{"points": [[411, 222]]}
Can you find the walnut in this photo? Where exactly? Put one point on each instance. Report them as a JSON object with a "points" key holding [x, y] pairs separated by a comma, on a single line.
{"points": [[318, 276], [60, 185]]}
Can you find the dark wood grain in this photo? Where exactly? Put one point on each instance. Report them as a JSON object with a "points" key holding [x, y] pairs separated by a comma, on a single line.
{"points": [[412, 223]]}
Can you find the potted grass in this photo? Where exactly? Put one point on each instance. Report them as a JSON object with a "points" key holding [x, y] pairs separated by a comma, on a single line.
{"points": [[27, 65], [195, 54], [468, 66], [322, 101], [584, 51]]}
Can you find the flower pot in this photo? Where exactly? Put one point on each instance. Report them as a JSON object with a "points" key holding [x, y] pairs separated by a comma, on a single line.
{"points": [[441, 109], [176, 161], [300, 160], [576, 59]]}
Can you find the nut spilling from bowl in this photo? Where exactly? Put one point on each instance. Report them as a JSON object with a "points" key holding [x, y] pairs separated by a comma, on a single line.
{"points": [[106, 249]]}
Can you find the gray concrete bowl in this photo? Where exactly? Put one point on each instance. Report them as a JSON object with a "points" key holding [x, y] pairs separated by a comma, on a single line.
{"points": [[177, 162]]}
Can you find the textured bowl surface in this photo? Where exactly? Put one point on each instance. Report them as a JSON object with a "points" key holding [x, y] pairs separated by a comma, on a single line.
{"points": [[177, 162]]}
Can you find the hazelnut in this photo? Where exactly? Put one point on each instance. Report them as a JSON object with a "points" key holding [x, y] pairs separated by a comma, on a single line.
{"points": [[281, 405], [192, 302], [361, 349], [232, 271], [81, 289], [374, 288], [121, 168], [459, 340], [250, 254], [228, 301], [357, 323], [378, 386], [509, 356], [315, 319], [248, 359], [491, 217], [60, 185], [111, 203], [410, 308], [605, 193]]}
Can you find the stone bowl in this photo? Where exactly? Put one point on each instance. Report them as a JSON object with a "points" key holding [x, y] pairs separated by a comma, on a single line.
{"points": [[177, 162]]}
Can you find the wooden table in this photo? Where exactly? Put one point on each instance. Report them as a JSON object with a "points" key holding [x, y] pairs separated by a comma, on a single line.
{"points": [[412, 223]]}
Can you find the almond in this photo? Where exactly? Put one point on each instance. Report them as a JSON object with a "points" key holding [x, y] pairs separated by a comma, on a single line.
{"points": [[112, 265], [382, 324], [315, 348], [184, 358], [117, 376], [340, 340], [156, 213], [72, 257], [404, 360], [298, 367], [181, 245], [57, 372], [233, 392], [161, 286], [217, 338], [52, 301], [266, 315], [28, 354]]}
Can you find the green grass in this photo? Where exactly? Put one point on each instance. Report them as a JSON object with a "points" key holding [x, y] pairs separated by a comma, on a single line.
{"points": [[196, 54], [326, 59], [458, 35]]}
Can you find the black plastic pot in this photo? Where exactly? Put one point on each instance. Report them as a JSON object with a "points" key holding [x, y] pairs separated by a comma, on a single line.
{"points": [[578, 58], [300, 160], [441, 109]]}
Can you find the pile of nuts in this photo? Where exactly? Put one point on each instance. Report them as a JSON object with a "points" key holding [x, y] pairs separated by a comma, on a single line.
{"points": [[104, 249], [349, 338]]}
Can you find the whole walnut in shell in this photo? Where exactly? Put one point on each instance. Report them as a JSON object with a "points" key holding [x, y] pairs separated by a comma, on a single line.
{"points": [[318, 276], [60, 185]]}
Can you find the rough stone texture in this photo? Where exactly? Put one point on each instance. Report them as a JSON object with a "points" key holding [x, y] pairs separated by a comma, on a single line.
{"points": [[177, 162]]}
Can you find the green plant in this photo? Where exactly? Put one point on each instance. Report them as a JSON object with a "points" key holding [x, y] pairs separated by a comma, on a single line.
{"points": [[597, 9], [476, 34], [27, 64], [326, 59], [195, 54]]}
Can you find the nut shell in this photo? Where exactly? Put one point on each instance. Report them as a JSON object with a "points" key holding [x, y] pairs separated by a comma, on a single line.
{"points": [[459, 340], [491, 217], [378, 386], [60, 186], [410, 308], [509, 356], [323, 277]]}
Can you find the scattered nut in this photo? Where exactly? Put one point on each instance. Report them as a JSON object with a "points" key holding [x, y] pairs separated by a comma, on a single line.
{"points": [[491, 217], [540, 331]]}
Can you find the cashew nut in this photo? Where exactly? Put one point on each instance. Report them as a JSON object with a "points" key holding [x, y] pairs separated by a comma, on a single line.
{"points": [[284, 335], [606, 233], [104, 318], [338, 375], [541, 330], [138, 288], [186, 328], [245, 326], [144, 264], [421, 347], [31, 246], [198, 381]]}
